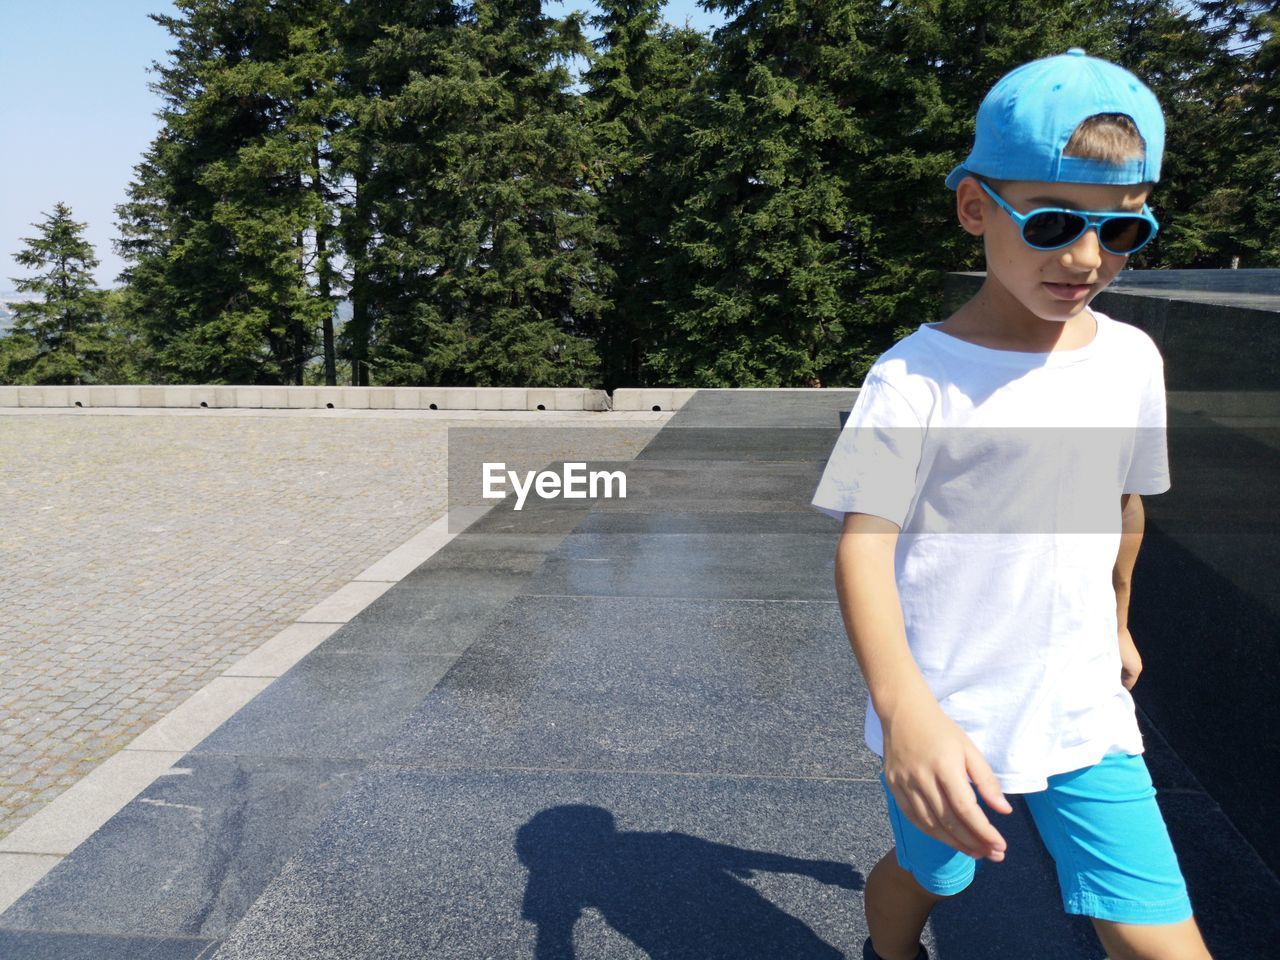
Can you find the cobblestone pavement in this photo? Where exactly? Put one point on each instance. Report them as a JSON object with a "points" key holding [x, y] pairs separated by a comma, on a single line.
{"points": [[143, 555]]}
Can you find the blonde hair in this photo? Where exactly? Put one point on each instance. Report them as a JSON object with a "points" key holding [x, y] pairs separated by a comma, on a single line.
{"points": [[1110, 137]]}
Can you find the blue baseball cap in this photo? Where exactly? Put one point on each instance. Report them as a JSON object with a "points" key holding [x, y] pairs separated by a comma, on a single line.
{"points": [[1026, 119]]}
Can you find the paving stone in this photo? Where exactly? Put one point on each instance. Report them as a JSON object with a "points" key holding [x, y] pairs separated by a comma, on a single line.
{"points": [[20, 945], [747, 565], [649, 684], [190, 854], [488, 863], [340, 705], [646, 741], [139, 567], [438, 611]]}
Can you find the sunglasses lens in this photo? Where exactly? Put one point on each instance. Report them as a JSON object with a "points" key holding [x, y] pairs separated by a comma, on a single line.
{"points": [[1052, 229], [1124, 234]]}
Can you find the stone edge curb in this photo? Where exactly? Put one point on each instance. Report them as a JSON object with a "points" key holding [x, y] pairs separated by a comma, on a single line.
{"points": [[41, 842], [359, 398], [345, 398], [1222, 403]]}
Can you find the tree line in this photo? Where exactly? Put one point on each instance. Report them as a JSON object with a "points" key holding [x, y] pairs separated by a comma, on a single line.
{"points": [[760, 206]]}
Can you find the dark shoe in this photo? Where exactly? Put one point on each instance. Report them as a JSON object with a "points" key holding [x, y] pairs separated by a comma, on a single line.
{"points": [[869, 954]]}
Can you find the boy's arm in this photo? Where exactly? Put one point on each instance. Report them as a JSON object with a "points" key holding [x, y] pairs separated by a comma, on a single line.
{"points": [[1132, 523], [929, 760], [872, 612]]}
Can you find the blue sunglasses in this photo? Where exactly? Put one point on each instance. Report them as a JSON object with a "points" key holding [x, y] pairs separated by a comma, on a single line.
{"points": [[1050, 228]]}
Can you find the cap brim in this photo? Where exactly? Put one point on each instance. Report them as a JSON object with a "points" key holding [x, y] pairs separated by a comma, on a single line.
{"points": [[957, 174]]}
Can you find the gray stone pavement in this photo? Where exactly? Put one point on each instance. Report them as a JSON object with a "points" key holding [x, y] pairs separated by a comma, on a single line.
{"points": [[144, 552], [592, 730]]}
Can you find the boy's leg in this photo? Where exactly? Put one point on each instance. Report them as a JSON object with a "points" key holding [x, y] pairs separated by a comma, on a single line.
{"points": [[1115, 862], [897, 908], [1164, 941], [908, 882]]}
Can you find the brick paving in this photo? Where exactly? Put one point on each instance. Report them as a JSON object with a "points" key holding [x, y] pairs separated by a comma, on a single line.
{"points": [[143, 555]]}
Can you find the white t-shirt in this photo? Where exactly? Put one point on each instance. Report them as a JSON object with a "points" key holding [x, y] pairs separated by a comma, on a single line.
{"points": [[1004, 471]]}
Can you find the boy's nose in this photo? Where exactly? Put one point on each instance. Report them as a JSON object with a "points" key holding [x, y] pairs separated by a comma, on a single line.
{"points": [[1086, 252]]}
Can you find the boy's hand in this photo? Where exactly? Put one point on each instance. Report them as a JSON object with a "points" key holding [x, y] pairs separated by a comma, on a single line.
{"points": [[1130, 660], [928, 764]]}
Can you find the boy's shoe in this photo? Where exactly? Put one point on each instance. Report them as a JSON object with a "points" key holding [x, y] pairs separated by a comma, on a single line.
{"points": [[868, 954]]}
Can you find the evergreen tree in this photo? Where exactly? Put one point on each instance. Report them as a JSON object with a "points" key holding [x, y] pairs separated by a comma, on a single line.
{"points": [[127, 358], [761, 268], [763, 207], [1240, 91], [640, 90], [820, 228], [384, 43], [1261, 150], [487, 255], [1191, 73], [228, 217], [146, 231], [214, 227], [59, 338], [18, 352]]}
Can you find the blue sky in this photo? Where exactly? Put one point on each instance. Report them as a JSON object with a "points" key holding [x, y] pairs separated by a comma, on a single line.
{"points": [[76, 114]]}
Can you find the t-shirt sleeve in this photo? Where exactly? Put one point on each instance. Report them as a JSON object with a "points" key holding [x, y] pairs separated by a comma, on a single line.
{"points": [[1149, 468], [872, 467]]}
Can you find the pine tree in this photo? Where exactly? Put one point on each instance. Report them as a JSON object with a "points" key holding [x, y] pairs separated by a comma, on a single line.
{"points": [[260, 96], [60, 338], [384, 44], [1191, 73], [764, 207], [127, 358], [773, 251], [819, 229], [1239, 217], [486, 263], [639, 90], [227, 222]]}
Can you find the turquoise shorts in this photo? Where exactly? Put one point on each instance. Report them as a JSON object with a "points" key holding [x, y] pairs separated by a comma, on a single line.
{"points": [[1104, 830]]}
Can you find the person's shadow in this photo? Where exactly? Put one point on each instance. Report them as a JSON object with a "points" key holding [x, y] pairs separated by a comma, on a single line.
{"points": [[672, 894]]}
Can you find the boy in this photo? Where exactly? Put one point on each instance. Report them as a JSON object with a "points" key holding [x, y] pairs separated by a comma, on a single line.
{"points": [[986, 595]]}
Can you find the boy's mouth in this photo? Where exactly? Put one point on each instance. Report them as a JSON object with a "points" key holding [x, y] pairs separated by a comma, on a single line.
{"points": [[1069, 291]]}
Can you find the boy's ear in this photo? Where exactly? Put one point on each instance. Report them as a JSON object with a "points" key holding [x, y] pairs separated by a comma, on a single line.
{"points": [[971, 206]]}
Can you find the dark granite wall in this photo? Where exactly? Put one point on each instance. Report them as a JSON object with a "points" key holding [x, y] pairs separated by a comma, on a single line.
{"points": [[1205, 610]]}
